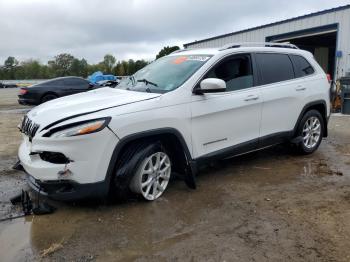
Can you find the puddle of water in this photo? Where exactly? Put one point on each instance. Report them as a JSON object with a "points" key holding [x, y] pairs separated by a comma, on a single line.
{"points": [[15, 241]]}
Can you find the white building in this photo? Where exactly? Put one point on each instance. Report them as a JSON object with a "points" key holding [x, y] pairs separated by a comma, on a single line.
{"points": [[326, 34]]}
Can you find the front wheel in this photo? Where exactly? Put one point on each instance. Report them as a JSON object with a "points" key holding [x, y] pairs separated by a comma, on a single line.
{"points": [[144, 168], [152, 176], [311, 130]]}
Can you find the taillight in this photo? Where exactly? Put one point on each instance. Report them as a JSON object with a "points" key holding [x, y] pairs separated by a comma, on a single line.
{"points": [[329, 78], [23, 91]]}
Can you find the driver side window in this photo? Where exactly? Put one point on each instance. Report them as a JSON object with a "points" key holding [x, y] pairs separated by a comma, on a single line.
{"points": [[235, 71]]}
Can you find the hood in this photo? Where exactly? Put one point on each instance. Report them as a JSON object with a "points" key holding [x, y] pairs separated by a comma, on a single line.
{"points": [[84, 103]]}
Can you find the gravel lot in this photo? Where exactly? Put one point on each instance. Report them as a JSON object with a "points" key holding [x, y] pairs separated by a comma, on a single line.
{"points": [[267, 206]]}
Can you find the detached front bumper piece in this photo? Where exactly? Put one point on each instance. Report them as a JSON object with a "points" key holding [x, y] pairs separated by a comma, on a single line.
{"points": [[66, 190]]}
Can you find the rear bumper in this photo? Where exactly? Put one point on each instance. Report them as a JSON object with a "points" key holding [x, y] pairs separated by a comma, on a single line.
{"points": [[66, 190]]}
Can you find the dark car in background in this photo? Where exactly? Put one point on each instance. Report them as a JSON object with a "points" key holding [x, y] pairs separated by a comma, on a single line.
{"points": [[52, 89]]}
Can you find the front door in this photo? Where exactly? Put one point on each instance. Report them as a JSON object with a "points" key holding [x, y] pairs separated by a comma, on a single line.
{"points": [[223, 122]]}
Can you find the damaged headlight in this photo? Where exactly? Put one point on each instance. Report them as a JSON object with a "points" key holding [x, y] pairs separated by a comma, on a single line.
{"points": [[80, 128]]}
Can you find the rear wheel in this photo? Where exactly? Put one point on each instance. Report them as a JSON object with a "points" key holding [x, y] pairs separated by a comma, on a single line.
{"points": [[310, 130], [48, 97]]}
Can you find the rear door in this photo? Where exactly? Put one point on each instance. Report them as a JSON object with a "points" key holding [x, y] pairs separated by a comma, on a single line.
{"points": [[76, 85], [227, 122], [283, 96]]}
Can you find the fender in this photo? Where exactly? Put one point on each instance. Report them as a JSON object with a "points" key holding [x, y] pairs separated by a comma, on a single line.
{"points": [[190, 176], [308, 106]]}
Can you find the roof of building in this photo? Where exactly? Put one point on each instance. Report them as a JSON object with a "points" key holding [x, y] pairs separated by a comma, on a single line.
{"points": [[326, 11]]}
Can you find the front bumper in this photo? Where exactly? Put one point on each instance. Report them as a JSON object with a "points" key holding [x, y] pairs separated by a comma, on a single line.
{"points": [[66, 190], [90, 155]]}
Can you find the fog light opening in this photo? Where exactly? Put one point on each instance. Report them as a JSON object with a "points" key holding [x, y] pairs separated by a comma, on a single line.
{"points": [[54, 157]]}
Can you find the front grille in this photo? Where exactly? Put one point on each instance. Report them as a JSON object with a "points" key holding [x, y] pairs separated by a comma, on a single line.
{"points": [[29, 128]]}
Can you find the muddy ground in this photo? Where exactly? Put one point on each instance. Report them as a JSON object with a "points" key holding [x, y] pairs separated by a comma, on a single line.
{"points": [[267, 206]]}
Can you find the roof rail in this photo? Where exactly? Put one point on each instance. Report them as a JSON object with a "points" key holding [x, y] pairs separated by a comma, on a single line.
{"points": [[258, 44]]}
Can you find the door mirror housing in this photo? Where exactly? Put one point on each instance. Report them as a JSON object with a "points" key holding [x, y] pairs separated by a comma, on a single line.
{"points": [[211, 85]]}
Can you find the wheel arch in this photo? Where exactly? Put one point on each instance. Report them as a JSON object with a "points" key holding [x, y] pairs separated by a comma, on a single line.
{"points": [[171, 138], [48, 93], [320, 106]]}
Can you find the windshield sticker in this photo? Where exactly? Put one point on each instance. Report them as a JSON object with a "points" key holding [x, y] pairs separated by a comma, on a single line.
{"points": [[180, 60], [201, 58]]}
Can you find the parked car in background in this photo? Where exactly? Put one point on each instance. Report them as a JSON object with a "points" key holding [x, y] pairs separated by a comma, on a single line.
{"points": [[2, 85], [52, 89]]}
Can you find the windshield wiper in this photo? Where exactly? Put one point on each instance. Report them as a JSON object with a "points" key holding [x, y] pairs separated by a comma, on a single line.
{"points": [[147, 82]]}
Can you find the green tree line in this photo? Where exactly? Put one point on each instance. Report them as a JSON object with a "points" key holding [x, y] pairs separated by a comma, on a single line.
{"points": [[68, 65]]}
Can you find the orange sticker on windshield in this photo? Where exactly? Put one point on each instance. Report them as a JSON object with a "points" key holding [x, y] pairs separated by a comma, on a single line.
{"points": [[180, 60]]}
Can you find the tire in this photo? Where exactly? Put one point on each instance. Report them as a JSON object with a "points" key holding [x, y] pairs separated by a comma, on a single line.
{"points": [[311, 130], [48, 97], [139, 172]]}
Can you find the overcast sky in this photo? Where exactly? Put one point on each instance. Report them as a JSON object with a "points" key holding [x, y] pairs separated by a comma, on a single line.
{"points": [[41, 29]]}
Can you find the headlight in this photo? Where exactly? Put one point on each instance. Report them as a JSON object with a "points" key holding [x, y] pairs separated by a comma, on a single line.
{"points": [[80, 128]]}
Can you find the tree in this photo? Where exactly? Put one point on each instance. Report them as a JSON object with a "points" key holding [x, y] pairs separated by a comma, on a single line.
{"points": [[166, 51], [10, 62], [119, 69], [66, 64], [108, 63], [125, 65], [62, 64], [10, 66], [139, 64], [79, 67], [31, 69], [131, 67]]}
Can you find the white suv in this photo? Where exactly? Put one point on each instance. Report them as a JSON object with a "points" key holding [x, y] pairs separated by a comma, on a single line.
{"points": [[176, 113]]}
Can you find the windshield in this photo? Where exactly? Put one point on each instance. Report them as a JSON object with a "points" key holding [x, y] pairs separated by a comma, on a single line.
{"points": [[164, 74]]}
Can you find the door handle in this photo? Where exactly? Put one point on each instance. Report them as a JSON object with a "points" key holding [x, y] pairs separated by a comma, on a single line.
{"points": [[300, 88], [251, 98]]}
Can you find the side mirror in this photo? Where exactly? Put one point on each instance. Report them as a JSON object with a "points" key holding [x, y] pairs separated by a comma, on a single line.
{"points": [[211, 85]]}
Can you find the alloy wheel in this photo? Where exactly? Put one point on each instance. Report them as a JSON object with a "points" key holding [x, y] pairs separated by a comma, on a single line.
{"points": [[152, 176], [311, 132]]}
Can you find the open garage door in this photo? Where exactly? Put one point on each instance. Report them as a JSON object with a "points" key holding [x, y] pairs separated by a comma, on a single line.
{"points": [[320, 41]]}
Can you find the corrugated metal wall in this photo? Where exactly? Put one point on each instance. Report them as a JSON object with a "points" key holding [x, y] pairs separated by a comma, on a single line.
{"points": [[342, 17]]}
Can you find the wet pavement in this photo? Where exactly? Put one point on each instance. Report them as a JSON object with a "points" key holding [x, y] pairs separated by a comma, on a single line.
{"points": [[271, 205]]}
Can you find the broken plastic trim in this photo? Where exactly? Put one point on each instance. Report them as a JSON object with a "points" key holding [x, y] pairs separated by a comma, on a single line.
{"points": [[40, 208]]}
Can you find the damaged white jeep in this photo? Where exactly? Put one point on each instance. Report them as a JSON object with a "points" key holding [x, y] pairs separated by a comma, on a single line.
{"points": [[176, 113]]}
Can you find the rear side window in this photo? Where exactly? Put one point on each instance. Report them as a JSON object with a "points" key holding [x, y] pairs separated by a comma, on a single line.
{"points": [[301, 66], [54, 82], [274, 68], [75, 82]]}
